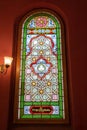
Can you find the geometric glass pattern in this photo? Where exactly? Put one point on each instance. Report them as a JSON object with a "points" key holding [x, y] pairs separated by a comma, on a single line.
{"points": [[41, 88]]}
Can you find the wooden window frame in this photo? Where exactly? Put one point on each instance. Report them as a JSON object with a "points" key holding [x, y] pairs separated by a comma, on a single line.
{"points": [[16, 73]]}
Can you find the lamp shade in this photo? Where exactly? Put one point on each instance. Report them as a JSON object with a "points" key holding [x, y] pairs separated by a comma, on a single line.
{"points": [[8, 60]]}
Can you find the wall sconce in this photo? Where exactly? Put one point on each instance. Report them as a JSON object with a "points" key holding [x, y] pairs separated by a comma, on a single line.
{"points": [[6, 65]]}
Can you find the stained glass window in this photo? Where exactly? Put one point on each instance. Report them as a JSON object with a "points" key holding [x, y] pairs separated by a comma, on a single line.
{"points": [[40, 80]]}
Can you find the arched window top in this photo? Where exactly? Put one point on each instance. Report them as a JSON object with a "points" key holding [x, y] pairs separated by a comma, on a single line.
{"points": [[42, 20], [40, 70]]}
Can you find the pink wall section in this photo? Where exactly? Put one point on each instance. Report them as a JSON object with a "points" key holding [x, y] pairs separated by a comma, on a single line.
{"points": [[74, 15]]}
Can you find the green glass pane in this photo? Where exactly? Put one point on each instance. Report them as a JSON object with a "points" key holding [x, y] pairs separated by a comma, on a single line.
{"points": [[24, 53], [45, 103], [61, 105], [56, 116], [23, 77], [26, 116], [58, 45], [23, 57], [22, 98], [37, 116], [21, 104], [61, 114], [46, 116], [22, 87], [24, 42], [21, 112], [60, 92], [36, 103], [54, 103], [28, 103], [59, 59], [60, 99], [60, 75], [59, 67]]}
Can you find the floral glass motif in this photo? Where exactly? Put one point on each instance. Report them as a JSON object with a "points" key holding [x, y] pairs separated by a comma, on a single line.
{"points": [[41, 92]]}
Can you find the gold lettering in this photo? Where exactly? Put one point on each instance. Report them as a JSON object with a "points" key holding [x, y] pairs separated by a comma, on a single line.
{"points": [[41, 109]]}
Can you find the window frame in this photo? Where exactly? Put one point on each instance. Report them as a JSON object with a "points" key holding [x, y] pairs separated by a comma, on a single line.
{"points": [[17, 66]]}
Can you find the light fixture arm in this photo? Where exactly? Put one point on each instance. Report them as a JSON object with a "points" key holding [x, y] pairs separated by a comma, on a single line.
{"points": [[6, 65]]}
